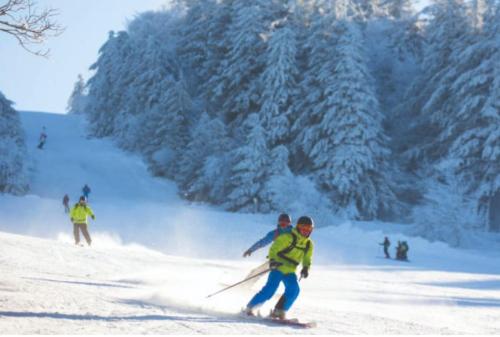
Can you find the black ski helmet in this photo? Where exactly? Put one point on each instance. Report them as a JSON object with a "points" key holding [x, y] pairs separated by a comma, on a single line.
{"points": [[284, 218], [82, 198], [305, 220]]}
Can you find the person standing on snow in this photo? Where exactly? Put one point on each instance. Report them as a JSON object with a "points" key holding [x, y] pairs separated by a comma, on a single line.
{"points": [[79, 214], [285, 254], [42, 139], [86, 191], [386, 245], [284, 226], [66, 203]]}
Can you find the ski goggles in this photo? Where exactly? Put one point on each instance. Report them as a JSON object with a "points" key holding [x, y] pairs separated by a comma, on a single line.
{"points": [[305, 230]]}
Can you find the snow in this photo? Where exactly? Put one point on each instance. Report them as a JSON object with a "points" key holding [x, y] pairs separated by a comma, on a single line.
{"points": [[155, 258]]}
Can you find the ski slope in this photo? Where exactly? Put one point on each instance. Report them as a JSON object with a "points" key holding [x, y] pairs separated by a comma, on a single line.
{"points": [[155, 258]]}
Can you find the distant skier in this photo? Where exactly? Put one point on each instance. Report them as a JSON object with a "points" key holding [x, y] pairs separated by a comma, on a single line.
{"points": [[79, 214], [284, 226], [66, 203], [402, 251], [285, 254], [386, 245], [42, 139], [86, 191]]}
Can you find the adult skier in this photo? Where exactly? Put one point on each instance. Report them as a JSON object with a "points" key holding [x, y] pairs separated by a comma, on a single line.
{"points": [[86, 191], [79, 214], [285, 254], [42, 139], [386, 245], [284, 226], [66, 203]]}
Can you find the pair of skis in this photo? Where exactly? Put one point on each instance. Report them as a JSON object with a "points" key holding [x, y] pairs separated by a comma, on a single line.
{"points": [[293, 322], [251, 278]]}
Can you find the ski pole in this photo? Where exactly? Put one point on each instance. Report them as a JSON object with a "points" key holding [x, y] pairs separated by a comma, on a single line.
{"points": [[238, 283]]}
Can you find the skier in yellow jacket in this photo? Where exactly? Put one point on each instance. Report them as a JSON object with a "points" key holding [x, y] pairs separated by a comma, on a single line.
{"points": [[286, 253], [79, 214]]}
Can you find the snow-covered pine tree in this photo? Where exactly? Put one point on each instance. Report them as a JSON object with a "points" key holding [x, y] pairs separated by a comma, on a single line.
{"points": [[248, 170], [347, 144], [446, 33], [167, 126], [13, 157], [108, 83], [238, 86], [473, 134], [76, 102], [196, 34], [279, 83], [208, 138]]}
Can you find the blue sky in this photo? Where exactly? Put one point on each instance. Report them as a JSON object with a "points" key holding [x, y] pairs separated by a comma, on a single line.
{"points": [[40, 84]]}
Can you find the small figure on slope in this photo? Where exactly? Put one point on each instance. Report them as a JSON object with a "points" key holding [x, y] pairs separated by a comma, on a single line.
{"points": [[86, 191], [285, 254], [402, 251], [79, 214], [386, 245], [42, 139], [66, 203]]}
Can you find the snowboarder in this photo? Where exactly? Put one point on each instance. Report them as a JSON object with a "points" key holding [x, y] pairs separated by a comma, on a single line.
{"points": [[386, 245], [285, 254], [79, 214], [86, 191], [284, 226], [66, 203], [42, 139]]}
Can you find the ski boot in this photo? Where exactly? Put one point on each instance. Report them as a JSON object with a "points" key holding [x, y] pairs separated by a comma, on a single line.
{"points": [[278, 314], [249, 312]]}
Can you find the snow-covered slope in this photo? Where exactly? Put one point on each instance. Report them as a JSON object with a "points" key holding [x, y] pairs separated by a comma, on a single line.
{"points": [[118, 286]]}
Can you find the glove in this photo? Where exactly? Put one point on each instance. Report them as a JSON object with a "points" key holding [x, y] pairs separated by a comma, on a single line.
{"points": [[247, 253], [93, 217], [304, 272], [72, 220], [274, 264]]}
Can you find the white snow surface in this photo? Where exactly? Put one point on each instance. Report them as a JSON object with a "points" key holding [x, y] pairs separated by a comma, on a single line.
{"points": [[155, 258]]}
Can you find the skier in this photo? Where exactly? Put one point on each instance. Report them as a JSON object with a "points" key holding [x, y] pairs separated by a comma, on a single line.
{"points": [[386, 245], [284, 226], [402, 250], [42, 139], [79, 214], [66, 203], [86, 191], [285, 254]]}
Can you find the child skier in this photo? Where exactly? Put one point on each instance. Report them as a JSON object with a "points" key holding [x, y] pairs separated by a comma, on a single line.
{"points": [[285, 254], [284, 226], [79, 214]]}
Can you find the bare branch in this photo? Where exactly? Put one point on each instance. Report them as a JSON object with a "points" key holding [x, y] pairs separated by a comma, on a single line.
{"points": [[21, 19]]}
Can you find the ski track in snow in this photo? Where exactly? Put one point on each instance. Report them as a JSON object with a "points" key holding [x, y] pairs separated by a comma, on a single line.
{"points": [[50, 286]]}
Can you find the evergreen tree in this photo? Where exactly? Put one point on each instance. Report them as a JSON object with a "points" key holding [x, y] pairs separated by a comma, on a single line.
{"points": [[248, 173], [13, 171], [279, 84], [238, 86], [76, 103], [207, 138]]}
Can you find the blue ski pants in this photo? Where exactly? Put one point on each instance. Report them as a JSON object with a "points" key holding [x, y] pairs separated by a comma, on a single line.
{"points": [[273, 281]]}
